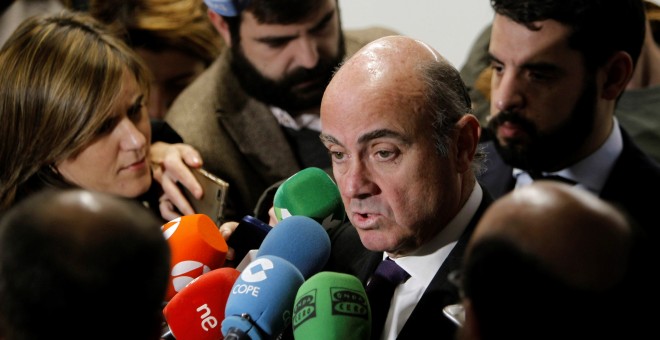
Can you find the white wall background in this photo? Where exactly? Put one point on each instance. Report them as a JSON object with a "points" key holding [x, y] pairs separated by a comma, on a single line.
{"points": [[450, 26]]}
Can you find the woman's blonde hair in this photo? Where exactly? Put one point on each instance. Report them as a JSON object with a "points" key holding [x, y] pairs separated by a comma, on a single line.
{"points": [[61, 75]]}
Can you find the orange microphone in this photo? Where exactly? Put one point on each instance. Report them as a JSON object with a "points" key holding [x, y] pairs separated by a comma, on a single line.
{"points": [[196, 247], [196, 313]]}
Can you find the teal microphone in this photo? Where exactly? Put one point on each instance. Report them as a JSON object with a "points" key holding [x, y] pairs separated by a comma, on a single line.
{"points": [[331, 306], [312, 193]]}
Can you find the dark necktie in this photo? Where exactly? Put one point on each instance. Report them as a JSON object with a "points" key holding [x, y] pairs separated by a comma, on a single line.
{"points": [[538, 175], [380, 289]]}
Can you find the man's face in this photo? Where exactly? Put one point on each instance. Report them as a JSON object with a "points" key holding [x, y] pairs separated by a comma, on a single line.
{"points": [[396, 189], [289, 65], [543, 103]]}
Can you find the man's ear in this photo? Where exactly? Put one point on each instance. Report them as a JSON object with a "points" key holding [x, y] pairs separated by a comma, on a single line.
{"points": [[617, 71], [220, 25], [468, 131]]}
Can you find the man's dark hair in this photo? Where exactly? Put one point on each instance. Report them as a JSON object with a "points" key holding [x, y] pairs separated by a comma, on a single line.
{"points": [[81, 265], [282, 12], [599, 27]]}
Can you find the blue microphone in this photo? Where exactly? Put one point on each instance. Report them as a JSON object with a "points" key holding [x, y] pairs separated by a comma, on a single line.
{"points": [[261, 300], [300, 240]]}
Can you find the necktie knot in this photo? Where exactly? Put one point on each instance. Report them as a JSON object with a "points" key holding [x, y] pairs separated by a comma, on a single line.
{"points": [[389, 271]]}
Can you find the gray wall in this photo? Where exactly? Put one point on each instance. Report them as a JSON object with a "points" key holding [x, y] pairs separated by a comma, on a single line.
{"points": [[450, 26]]}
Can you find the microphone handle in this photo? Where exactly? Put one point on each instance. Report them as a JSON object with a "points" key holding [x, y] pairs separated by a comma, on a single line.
{"points": [[236, 334], [167, 336]]}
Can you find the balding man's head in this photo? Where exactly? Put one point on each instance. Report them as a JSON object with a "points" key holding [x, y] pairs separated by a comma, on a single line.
{"points": [[547, 260], [396, 119], [77, 255], [569, 230]]}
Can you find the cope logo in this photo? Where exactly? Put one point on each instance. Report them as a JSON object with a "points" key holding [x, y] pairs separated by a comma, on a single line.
{"points": [[253, 273], [256, 270], [349, 302], [304, 309]]}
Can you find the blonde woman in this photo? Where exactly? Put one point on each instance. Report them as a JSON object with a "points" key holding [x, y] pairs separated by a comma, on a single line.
{"points": [[73, 111]]}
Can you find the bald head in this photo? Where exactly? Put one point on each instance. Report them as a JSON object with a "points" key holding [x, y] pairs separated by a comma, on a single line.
{"points": [[86, 256], [388, 63], [579, 237]]}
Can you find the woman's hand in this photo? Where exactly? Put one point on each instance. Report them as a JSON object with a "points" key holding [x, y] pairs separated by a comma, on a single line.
{"points": [[171, 164]]}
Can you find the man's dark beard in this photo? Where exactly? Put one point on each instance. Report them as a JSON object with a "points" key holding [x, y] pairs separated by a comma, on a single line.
{"points": [[281, 93], [548, 151]]}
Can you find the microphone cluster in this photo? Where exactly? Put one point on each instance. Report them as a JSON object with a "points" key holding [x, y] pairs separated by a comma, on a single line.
{"points": [[281, 292]]}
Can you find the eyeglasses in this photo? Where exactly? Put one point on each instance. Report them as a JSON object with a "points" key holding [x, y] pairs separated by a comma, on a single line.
{"points": [[455, 312]]}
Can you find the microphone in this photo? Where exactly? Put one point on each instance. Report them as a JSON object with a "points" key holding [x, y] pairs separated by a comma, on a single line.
{"points": [[261, 300], [198, 309], [299, 240], [312, 193], [196, 247], [331, 306]]}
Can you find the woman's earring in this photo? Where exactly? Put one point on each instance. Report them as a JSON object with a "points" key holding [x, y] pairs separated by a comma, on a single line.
{"points": [[53, 168]]}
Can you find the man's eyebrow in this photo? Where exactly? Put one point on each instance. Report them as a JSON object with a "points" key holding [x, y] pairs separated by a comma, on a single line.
{"points": [[284, 38], [380, 133], [534, 66], [327, 139]]}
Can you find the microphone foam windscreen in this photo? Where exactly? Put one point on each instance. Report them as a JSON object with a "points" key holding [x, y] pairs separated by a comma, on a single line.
{"points": [[331, 306], [197, 311], [299, 240], [312, 193], [261, 300], [196, 247]]}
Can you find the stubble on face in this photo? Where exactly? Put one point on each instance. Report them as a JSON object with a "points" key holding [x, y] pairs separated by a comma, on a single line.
{"points": [[286, 93], [550, 150]]}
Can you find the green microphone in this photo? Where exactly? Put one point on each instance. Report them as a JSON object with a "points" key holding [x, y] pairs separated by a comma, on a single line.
{"points": [[312, 193], [330, 306]]}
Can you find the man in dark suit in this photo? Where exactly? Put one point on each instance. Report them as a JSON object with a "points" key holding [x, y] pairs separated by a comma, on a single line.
{"points": [[559, 68], [395, 119]]}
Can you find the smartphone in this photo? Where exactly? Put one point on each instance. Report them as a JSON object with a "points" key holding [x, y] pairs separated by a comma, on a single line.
{"points": [[213, 201], [248, 235]]}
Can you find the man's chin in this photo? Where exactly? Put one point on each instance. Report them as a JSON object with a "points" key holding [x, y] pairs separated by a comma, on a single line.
{"points": [[374, 239]]}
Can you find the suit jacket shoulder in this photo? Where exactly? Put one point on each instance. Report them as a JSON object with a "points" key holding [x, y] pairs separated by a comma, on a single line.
{"points": [[633, 185]]}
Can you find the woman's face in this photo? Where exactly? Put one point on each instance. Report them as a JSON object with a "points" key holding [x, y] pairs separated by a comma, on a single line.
{"points": [[116, 161]]}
